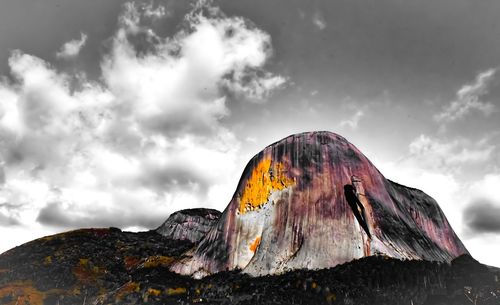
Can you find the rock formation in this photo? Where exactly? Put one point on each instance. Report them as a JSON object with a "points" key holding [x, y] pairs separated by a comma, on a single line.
{"points": [[191, 224], [307, 202], [313, 200]]}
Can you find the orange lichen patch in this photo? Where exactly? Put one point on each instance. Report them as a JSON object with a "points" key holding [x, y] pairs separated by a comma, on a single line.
{"points": [[154, 292], [128, 288], [21, 293], [85, 271], [255, 244], [131, 262], [266, 177], [150, 292], [176, 291], [158, 261]]}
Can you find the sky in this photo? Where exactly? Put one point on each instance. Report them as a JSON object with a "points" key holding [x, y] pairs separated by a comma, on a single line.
{"points": [[118, 113]]}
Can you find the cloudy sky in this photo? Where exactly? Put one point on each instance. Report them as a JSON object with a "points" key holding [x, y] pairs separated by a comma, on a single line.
{"points": [[117, 113]]}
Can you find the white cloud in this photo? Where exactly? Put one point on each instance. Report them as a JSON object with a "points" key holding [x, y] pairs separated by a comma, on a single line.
{"points": [[432, 153], [469, 98], [319, 21], [145, 141], [353, 121], [485, 249], [149, 11], [487, 187], [72, 48]]}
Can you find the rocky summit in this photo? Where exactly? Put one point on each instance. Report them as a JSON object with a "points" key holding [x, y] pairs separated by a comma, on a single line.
{"points": [[312, 221], [313, 200]]}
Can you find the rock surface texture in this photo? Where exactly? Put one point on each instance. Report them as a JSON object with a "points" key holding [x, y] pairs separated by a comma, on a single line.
{"points": [[191, 225], [312, 201]]}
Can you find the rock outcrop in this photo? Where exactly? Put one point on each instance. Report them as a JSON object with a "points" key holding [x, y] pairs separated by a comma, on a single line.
{"points": [[313, 200], [191, 224]]}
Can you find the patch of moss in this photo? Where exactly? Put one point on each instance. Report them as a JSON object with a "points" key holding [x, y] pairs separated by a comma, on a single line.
{"points": [[128, 288], [176, 291], [158, 261]]}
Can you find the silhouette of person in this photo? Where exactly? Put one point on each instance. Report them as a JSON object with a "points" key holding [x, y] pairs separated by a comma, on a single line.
{"points": [[357, 208]]}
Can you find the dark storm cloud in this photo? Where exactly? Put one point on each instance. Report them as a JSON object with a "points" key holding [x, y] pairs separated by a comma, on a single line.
{"points": [[56, 215], [482, 216]]}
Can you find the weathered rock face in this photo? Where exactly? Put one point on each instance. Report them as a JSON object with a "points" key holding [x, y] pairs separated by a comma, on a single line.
{"points": [[313, 200], [191, 224]]}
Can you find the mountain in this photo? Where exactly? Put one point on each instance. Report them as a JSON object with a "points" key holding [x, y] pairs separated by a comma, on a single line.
{"points": [[313, 200], [192, 224], [312, 221]]}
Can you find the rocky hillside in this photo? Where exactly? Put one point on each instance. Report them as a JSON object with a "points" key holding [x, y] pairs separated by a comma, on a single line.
{"points": [[108, 266], [71, 267]]}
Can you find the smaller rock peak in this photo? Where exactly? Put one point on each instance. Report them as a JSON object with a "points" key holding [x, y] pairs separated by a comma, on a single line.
{"points": [[190, 224], [202, 212]]}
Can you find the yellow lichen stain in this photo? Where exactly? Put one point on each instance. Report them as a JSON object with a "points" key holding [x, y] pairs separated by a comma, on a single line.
{"points": [[154, 292], [47, 260], [23, 292], [85, 271], [266, 177], [330, 298], [255, 244], [176, 291], [158, 261], [128, 288], [151, 292]]}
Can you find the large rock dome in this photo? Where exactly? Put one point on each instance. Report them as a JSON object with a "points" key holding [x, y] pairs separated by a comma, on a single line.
{"points": [[313, 200]]}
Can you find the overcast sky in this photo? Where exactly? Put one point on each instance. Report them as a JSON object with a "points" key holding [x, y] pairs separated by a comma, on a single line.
{"points": [[116, 113]]}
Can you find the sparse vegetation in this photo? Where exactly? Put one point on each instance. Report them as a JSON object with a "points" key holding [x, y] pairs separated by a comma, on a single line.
{"points": [[108, 266]]}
